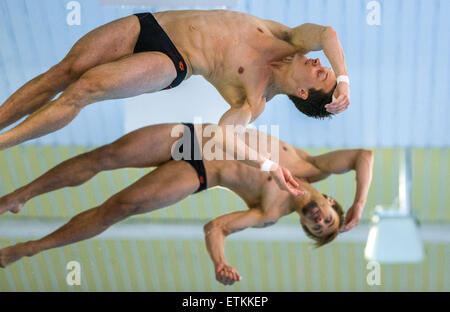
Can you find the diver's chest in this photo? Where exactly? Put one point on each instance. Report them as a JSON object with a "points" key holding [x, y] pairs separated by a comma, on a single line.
{"points": [[245, 63], [243, 78]]}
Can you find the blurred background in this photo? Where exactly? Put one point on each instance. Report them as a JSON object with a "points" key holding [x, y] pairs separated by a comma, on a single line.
{"points": [[398, 61]]}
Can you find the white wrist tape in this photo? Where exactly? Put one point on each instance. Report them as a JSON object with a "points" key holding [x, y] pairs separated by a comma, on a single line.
{"points": [[343, 79], [267, 165]]}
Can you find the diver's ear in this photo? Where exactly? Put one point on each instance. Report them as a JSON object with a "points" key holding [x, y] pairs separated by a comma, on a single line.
{"points": [[302, 93], [331, 201]]}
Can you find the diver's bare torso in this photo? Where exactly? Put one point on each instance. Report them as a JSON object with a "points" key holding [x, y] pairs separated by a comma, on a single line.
{"points": [[231, 50], [256, 188]]}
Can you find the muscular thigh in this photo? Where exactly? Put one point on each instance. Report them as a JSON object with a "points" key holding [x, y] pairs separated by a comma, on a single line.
{"points": [[146, 147], [105, 44], [137, 74], [165, 186]]}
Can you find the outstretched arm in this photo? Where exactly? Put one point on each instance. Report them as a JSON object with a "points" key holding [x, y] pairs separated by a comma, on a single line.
{"points": [[230, 139], [218, 229], [339, 162]]}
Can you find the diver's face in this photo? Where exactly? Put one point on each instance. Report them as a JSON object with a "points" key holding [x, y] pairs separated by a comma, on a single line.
{"points": [[311, 74], [319, 217]]}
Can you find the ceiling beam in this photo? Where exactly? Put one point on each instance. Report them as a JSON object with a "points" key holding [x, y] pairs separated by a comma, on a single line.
{"points": [[136, 229]]}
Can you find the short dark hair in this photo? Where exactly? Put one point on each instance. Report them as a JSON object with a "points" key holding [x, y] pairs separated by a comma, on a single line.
{"points": [[320, 241], [314, 105]]}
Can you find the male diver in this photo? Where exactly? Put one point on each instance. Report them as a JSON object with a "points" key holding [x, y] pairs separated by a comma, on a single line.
{"points": [[248, 60], [321, 217]]}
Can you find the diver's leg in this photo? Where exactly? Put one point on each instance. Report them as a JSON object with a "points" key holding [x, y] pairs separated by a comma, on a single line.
{"points": [[146, 147], [140, 73], [165, 186], [102, 45]]}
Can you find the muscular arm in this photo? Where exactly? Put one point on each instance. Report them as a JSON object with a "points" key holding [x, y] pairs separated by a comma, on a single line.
{"points": [[339, 162], [312, 37], [218, 229], [239, 118]]}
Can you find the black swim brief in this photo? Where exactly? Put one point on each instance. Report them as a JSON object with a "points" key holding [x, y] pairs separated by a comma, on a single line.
{"points": [[195, 159], [153, 38]]}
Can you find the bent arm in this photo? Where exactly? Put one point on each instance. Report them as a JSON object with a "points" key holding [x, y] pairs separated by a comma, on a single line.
{"points": [[340, 162], [313, 37], [218, 229]]}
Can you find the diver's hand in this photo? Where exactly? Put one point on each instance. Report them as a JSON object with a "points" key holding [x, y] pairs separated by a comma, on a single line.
{"points": [[342, 101], [285, 181], [226, 274], [352, 217]]}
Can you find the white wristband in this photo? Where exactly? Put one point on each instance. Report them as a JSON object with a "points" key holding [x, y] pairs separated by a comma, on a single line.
{"points": [[267, 165], [339, 80], [343, 79]]}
